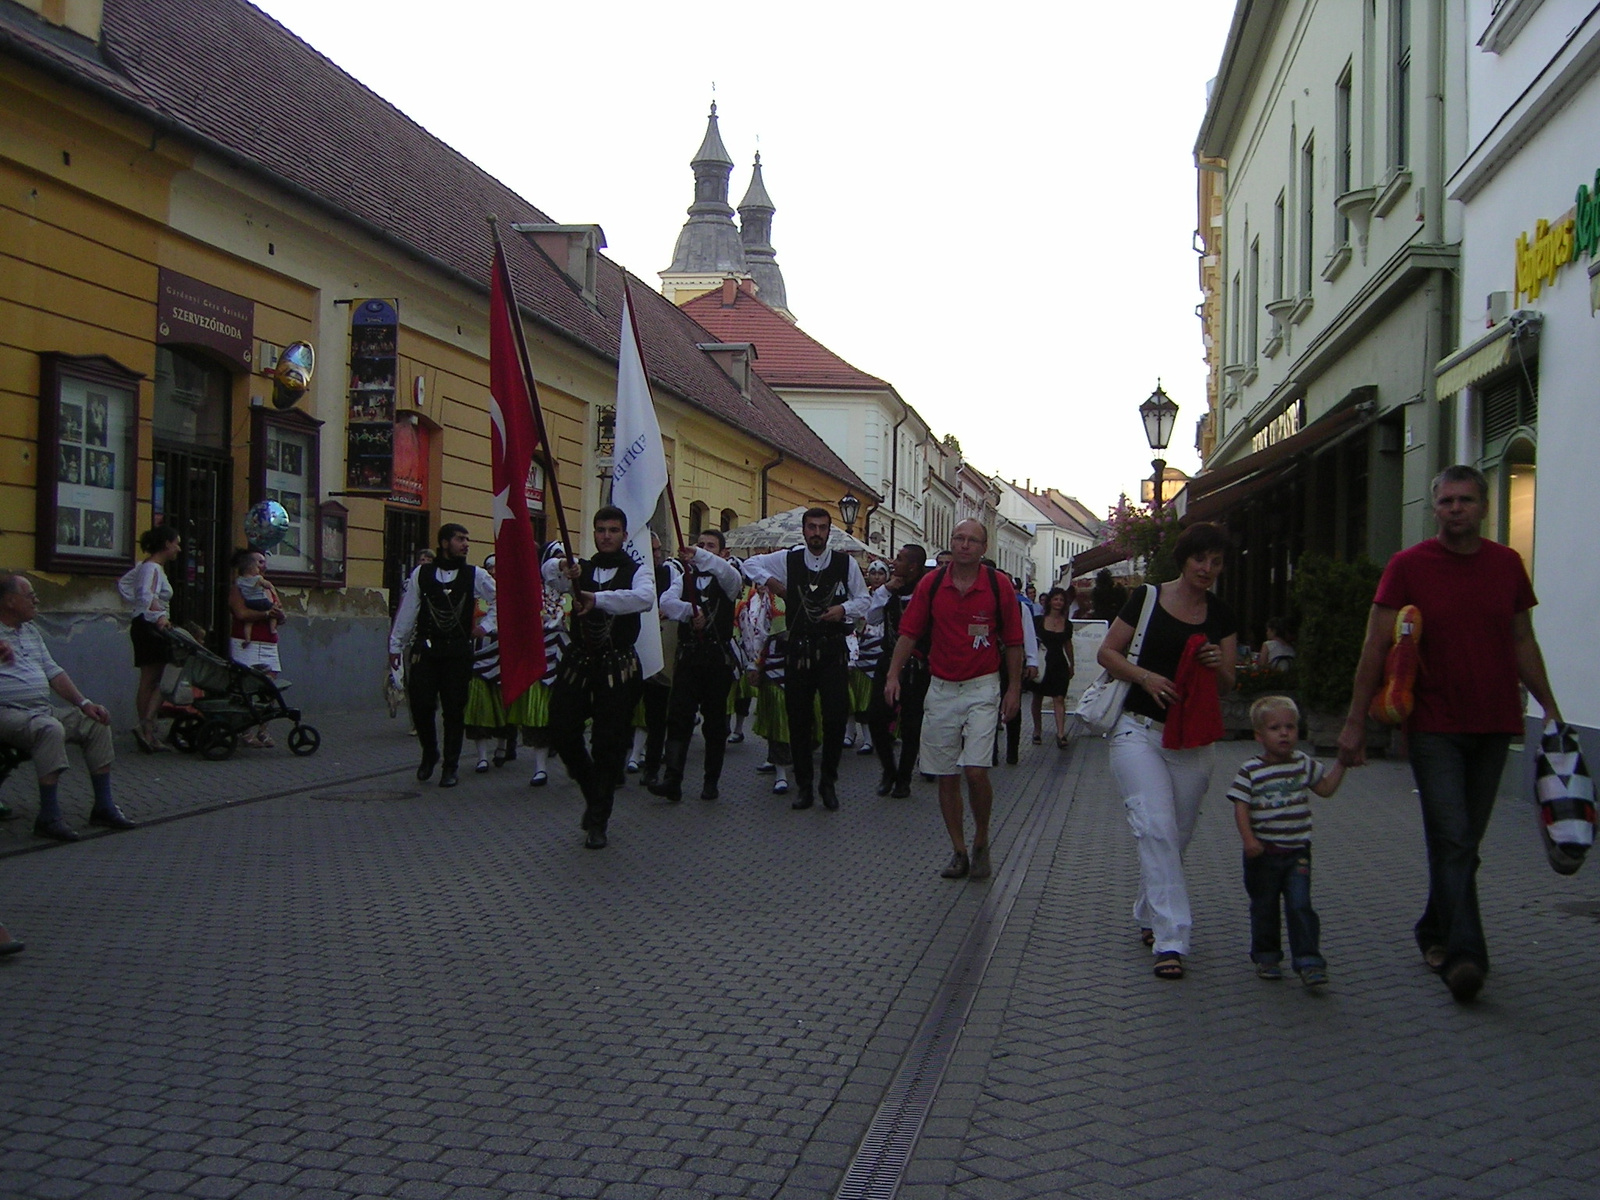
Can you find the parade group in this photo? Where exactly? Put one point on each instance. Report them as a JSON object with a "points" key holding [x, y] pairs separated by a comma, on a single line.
{"points": [[801, 644]]}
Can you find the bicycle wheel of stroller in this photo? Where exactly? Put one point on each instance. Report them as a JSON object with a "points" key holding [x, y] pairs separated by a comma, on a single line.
{"points": [[185, 731], [216, 741], [304, 740]]}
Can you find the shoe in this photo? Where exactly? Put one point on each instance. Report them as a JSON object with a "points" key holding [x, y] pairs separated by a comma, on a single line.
{"points": [[57, 829], [765, 768], [540, 778], [12, 947], [5, 811], [848, 741], [111, 818], [595, 840], [633, 766], [1169, 965], [1314, 977], [957, 868], [425, 768], [667, 790], [709, 792], [482, 768], [1011, 760], [649, 776], [979, 868], [499, 758], [146, 746], [864, 748], [886, 783], [1272, 971], [1037, 740], [1464, 979], [780, 788], [806, 799], [735, 738], [447, 777], [830, 798], [902, 789]]}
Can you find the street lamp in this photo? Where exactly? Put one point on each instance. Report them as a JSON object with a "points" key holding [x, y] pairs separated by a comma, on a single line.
{"points": [[1159, 414], [849, 509]]}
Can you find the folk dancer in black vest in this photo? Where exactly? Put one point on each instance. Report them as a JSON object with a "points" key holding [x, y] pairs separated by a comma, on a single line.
{"points": [[825, 595], [599, 674], [649, 740], [437, 620], [887, 604], [702, 601]]}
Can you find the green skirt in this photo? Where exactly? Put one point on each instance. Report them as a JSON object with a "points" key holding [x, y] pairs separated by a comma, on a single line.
{"points": [[484, 709], [860, 691], [531, 710], [772, 718]]}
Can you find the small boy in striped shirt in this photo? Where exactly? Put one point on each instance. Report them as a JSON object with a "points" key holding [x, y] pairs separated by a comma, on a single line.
{"points": [[1272, 804]]}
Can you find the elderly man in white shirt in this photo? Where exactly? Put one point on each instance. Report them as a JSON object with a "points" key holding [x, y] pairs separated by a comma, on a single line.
{"points": [[825, 594], [598, 678], [29, 720]]}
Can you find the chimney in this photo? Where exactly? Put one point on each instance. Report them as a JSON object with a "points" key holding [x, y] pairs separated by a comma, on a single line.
{"points": [[730, 290]]}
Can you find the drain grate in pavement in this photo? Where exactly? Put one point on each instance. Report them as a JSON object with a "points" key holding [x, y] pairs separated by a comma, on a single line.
{"points": [[368, 795], [880, 1161]]}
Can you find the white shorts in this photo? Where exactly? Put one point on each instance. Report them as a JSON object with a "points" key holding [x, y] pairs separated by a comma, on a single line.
{"points": [[959, 719], [256, 654]]}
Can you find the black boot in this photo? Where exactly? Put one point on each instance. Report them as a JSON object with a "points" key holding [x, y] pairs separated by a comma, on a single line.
{"points": [[830, 798], [671, 785]]}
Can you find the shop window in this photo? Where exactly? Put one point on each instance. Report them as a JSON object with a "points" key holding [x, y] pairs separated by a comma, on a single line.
{"points": [[192, 401], [1522, 485], [88, 415], [285, 466]]}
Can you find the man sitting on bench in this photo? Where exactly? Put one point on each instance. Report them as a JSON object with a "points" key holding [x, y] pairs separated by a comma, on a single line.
{"points": [[29, 720]]}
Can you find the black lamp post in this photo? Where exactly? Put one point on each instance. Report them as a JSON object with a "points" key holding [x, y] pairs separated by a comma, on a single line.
{"points": [[849, 509], [1159, 414]]}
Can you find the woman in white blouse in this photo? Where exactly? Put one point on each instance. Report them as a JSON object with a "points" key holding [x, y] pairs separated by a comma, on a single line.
{"points": [[152, 600]]}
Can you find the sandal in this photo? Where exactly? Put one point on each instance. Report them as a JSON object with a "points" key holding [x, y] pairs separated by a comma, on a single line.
{"points": [[1037, 740], [1147, 936], [265, 742], [1169, 965], [146, 746], [1061, 743]]}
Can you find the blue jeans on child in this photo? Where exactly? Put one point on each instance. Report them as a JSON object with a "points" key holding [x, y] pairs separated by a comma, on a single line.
{"points": [[1282, 873]]}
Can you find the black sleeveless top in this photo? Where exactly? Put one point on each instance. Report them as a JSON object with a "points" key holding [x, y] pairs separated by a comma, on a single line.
{"points": [[810, 593]]}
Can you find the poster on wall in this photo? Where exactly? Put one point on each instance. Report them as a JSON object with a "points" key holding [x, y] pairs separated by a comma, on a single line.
{"points": [[374, 367], [410, 481]]}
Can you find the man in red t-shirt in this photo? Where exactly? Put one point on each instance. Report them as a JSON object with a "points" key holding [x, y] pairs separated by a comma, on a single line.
{"points": [[1476, 645], [965, 614]]}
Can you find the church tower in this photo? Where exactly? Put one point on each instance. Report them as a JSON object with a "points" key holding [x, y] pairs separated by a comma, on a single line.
{"points": [[709, 247], [755, 229]]}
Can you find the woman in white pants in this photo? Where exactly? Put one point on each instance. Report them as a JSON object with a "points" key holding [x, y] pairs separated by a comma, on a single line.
{"points": [[1162, 788]]}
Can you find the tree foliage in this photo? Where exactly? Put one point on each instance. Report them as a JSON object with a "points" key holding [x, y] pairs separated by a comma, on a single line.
{"points": [[1142, 534], [1331, 602]]}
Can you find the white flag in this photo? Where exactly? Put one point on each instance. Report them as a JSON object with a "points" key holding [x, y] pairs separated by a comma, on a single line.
{"points": [[638, 473]]}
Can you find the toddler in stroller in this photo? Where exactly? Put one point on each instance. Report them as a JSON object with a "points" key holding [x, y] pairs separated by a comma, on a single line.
{"points": [[230, 700]]}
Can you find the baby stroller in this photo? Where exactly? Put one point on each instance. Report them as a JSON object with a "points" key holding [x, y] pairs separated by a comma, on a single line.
{"points": [[229, 700]]}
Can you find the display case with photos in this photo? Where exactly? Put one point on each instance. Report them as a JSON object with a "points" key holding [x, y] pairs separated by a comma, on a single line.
{"points": [[88, 420], [284, 466]]}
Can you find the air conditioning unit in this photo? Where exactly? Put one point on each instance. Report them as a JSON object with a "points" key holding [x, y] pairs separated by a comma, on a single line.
{"points": [[1498, 305]]}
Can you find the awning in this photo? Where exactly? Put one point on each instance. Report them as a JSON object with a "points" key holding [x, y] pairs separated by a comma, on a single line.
{"points": [[1488, 354], [1216, 505], [1307, 439], [1105, 555]]}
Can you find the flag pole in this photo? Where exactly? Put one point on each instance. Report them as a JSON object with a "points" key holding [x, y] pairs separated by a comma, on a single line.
{"points": [[533, 391]]}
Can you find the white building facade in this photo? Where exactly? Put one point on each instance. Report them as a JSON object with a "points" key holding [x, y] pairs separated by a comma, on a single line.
{"points": [[1517, 398]]}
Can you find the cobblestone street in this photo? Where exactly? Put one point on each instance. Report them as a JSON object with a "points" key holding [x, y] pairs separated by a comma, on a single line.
{"points": [[331, 992]]}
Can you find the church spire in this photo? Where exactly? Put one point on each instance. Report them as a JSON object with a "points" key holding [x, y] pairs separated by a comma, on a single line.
{"points": [[709, 244], [755, 230]]}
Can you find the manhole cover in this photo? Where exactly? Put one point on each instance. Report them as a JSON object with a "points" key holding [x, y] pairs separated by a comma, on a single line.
{"points": [[370, 794], [1581, 908]]}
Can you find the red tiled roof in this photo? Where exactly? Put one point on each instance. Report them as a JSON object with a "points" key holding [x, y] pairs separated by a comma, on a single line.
{"points": [[786, 356], [224, 74], [1054, 513]]}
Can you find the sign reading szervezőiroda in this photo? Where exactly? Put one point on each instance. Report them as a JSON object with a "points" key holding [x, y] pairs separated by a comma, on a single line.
{"points": [[374, 364], [192, 313]]}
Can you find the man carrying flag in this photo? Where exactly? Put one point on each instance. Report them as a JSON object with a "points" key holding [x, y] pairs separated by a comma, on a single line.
{"points": [[513, 438]]}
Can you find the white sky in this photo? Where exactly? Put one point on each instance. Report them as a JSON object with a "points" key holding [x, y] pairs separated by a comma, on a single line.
{"points": [[991, 207]]}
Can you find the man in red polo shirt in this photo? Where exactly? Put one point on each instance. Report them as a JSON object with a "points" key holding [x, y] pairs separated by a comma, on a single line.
{"points": [[964, 614], [1477, 644]]}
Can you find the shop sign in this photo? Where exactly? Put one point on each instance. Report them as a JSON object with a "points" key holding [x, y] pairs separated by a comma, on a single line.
{"points": [[191, 313], [1286, 424], [374, 363], [1574, 234]]}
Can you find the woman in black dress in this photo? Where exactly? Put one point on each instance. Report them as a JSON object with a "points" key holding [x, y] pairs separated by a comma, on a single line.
{"points": [[1055, 643]]}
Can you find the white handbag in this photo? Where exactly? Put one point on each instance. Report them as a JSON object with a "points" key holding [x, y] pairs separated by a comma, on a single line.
{"points": [[1102, 701]]}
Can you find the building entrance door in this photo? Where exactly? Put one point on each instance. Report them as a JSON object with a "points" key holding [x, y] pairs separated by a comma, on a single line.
{"points": [[191, 492], [404, 533]]}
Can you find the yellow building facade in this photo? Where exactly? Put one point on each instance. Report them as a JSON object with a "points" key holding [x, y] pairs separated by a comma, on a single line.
{"points": [[149, 281]]}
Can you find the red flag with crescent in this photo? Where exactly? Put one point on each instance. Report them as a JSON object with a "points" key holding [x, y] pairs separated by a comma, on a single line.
{"points": [[514, 441]]}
